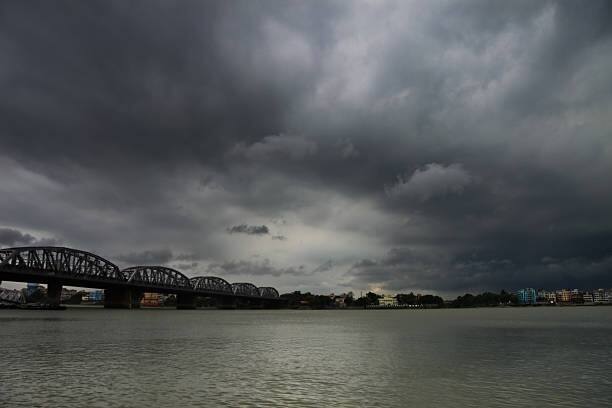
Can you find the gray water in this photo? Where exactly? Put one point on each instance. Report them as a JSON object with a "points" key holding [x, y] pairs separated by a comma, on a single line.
{"points": [[509, 357]]}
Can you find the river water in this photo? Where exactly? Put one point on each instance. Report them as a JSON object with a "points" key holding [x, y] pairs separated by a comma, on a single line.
{"points": [[506, 357]]}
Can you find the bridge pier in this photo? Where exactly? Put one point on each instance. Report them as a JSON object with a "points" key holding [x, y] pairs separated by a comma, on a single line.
{"points": [[185, 301], [122, 298], [54, 294]]}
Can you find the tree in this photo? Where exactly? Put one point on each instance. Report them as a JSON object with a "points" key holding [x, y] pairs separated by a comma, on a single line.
{"points": [[361, 302], [432, 300], [409, 299], [372, 298]]}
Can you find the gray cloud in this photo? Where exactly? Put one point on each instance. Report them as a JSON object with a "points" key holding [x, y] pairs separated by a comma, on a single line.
{"points": [[13, 237], [187, 266], [162, 132], [276, 147], [324, 267], [147, 257], [431, 181], [253, 268], [10, 237], [249, 229]]}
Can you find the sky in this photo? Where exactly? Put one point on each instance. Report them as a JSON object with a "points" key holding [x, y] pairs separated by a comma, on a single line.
{"points": [[429, 146]]}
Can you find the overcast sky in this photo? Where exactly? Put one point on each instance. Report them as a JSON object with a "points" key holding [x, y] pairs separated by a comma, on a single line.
{"points": [[438, 146]]}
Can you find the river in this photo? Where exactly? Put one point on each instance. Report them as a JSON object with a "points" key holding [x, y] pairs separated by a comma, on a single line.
{"points": [[489, 357]]}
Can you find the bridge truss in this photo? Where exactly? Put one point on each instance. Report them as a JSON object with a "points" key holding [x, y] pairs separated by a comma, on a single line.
{"points": [[81, 268]]}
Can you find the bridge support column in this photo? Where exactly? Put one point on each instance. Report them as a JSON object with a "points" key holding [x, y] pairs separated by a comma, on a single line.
{"points": [[54, 294], [185, 301], [122, 298]]}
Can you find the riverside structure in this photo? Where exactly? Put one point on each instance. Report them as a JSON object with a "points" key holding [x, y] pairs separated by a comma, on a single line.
{"points": [[59, 266]]}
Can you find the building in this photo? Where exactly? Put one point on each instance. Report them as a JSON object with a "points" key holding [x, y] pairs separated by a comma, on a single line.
{"points": [[387, 301], [546, 297], [587, 297], [564, 296], [576, 296], [340, 300], [96, 296], [526, 296], [151, 300], [601, 296]]}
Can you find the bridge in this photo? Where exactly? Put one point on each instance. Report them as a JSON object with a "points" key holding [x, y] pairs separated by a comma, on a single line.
{"points": [[60, 266]]}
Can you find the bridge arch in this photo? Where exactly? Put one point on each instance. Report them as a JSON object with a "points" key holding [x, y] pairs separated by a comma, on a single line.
{"points": [[268, 292], [212, 284], [245, 289], [156, 276], [70, 262]]}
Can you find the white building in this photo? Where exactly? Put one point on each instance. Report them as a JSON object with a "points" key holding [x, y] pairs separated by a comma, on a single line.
{"points": [[387, 300], [601, 296]]}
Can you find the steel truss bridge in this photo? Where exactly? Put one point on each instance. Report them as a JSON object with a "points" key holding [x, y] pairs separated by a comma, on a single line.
{"points": [[58, 266]]}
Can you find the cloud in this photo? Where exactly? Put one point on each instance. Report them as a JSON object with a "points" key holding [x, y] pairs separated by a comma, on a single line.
{"points": [[10, 237], [431, 181], [13, 237], [277, 147], [147, 257], [348, 150], [324, 267], [249, 229], [495, 116], [187, 266], [253, 268]]}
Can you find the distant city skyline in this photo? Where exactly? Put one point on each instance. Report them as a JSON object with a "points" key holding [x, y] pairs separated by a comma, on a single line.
{"points": [[436, 147]]}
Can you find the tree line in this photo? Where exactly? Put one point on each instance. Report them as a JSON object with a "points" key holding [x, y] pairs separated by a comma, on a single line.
{"points": [[298, 299]]}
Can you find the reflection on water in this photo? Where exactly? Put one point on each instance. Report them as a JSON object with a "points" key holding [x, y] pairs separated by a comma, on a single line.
{"points": [[558, 357]]}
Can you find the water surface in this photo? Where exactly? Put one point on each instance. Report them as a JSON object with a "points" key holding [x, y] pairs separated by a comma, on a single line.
{"points": [[509, 357]]}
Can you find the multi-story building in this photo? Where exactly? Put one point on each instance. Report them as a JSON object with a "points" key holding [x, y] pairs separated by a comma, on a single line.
{"points": [[601, 296], [587, 297], [96, 296], [564, 296], [526, 296], [151, 300], [387, 301], [576, 296], [545, 296]]}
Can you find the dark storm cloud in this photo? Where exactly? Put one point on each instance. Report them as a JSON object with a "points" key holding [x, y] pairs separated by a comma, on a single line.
{"points": [[254, 268], [405, 268], [461, 142], [149, 257], [249, 229], [187, 266], [10, 237]]}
